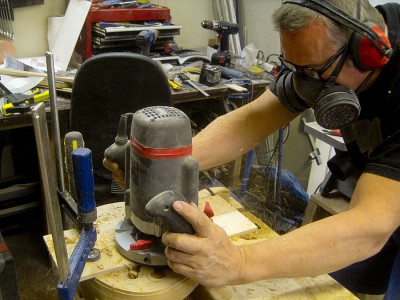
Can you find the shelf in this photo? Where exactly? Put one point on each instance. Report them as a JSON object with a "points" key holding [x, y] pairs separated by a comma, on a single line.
{"points": [[19, 190], [85, 46], [317, 131]]}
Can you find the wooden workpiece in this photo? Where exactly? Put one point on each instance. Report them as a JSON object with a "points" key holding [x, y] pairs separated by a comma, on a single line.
{"points": [[114, 277]]}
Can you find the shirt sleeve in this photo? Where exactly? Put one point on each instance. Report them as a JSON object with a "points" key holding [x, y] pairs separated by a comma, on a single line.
{"points": [[385, 160]]}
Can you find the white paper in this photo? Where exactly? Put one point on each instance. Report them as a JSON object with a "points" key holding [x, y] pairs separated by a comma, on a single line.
{"points": [[68, 34], [17, 64], [54, 24], [18, 84]]}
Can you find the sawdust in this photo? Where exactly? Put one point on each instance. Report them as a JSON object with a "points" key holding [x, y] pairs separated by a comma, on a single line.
{"points": [[108, 251], [263, 230], [70, 240], [133, 274], [282, 214]]}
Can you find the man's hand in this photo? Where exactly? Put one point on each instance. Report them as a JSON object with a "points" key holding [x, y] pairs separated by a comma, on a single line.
{"points": [[208, 256], [117, 173]]}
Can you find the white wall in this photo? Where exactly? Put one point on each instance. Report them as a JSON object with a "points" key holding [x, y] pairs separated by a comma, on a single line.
{"points": [[30, 27], [258, 25], [189, 14]]}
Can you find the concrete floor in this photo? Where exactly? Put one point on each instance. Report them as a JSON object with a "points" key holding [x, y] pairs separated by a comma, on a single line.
{"points": [[24, 238], [23, 234]]}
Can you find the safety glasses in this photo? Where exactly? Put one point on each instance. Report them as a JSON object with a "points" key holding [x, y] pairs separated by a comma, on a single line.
{"points": [[309, 71]]}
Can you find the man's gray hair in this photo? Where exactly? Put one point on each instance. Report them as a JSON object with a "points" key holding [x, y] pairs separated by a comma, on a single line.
{"points": [[293, 17]]}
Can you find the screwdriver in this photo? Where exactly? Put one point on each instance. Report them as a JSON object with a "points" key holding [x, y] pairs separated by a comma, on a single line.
{"points": [[187, 80]]}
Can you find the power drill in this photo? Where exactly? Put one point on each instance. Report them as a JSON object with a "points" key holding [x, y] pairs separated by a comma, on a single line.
{"points": [[145, 39], [224, 29]]}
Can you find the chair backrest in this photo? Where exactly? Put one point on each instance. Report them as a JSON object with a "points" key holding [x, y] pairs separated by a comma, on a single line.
{"points": [[108, 85]]}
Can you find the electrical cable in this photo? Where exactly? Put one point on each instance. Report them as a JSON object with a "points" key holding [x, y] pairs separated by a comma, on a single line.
{"points": [[316, 190], [210, 191]]}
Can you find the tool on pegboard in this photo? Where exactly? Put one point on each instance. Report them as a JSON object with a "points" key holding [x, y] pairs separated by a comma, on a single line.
{"points": [[6, 18]]}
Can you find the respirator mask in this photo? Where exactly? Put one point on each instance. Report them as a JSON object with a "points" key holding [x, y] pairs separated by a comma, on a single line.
{"points": [[299, 88]]}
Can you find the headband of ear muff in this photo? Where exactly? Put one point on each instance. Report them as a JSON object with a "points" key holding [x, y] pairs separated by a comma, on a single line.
{"points": [[370, 48]]}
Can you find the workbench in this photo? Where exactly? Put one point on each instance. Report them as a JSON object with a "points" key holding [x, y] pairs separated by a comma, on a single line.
{"points": [[185, 96], [219, 92], [121, 284], [188, 94]]}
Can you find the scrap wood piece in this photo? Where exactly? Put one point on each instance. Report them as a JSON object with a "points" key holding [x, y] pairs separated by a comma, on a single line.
{"points": [[111, 260], [12, 72]]}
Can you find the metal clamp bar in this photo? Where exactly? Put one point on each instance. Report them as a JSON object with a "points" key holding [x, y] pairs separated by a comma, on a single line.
{"points": [[48, 175], [55, 121]]}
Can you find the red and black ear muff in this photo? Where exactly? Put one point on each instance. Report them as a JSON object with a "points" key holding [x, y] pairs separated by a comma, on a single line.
{"points": [[364, 54]]}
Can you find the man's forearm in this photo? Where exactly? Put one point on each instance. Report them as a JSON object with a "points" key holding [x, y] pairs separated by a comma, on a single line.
{"points": [[334, 242], [212, 148], [310, 250], [234, 134]]}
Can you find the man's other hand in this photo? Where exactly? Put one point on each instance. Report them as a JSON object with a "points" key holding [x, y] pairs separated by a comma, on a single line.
{"points": [[117, 173]]}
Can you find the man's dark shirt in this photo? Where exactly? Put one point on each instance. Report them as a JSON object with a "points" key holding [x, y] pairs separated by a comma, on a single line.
{"points": [[377, 130], [377, 150]]}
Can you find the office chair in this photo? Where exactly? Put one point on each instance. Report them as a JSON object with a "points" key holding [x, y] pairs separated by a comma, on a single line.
{"points": [[106, 86]]}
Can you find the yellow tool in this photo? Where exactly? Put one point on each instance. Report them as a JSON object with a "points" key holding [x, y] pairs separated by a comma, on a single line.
{"points": [[20, 103], [176, 85]]}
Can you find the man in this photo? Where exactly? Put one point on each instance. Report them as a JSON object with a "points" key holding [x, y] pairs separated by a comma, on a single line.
{"points": [[318, 48]]}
